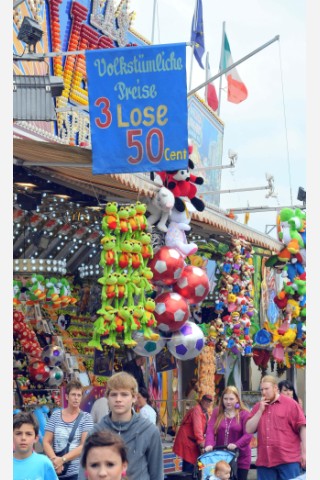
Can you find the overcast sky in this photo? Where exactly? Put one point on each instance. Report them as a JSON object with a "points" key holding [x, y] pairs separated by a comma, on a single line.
{"points": [[267, 130]]}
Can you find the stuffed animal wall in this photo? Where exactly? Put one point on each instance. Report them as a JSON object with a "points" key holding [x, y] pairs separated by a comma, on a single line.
{"points": [[291, 299], [126, 278], [50, 293], [234, 307]]}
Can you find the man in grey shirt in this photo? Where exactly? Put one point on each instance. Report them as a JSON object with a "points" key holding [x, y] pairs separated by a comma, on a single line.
{"points": [[100, 409]]}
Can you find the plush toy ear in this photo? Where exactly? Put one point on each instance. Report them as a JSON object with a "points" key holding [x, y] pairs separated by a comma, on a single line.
{"points": [[190, 164], [179, 204], [198, 204]]}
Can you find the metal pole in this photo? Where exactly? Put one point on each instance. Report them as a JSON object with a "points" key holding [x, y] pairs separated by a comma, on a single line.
{"points": [[262, 209], [215, 167], [153, 19], [191, 65], [207, 76], [30, 163], [36, 57], [235, 190], [222, 72], [194, 23], [221, 53]]}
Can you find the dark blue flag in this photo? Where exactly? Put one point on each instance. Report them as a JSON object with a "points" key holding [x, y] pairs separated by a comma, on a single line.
{"points": [[197, 33]]}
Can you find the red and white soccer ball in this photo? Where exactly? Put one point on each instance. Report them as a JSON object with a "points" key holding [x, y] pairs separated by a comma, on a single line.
{"points": [[187, 343], [193, 284], [167, 266], [171, 312], [39, 371], [147, 348]]}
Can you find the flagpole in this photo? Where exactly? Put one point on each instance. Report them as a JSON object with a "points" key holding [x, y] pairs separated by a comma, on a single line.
{"points": [[191, 64], [195, 15], [207, 76], [225, 70], [153, 19], [221, 53]]}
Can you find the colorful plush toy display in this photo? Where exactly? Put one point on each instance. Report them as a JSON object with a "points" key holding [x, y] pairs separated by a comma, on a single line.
{"points": [[42, 364], [126, 280], [289, 332], [51, 293], [26, 335], [234, 299], [178, 285]]}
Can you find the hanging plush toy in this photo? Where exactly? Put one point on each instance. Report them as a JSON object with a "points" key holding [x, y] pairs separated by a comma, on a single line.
{"points": [[179, 224], [290, 224], [126, 278], [36, 287], [53, 293], [110, 221], [182, 183], [160, 207]]}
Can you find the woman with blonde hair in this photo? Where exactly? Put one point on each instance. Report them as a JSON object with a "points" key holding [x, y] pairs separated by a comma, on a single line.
{"points": [[227, 427]]}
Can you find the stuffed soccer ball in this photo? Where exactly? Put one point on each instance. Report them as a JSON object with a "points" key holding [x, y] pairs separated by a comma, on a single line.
{"points": [[171, 312], [56, 377], [145, 347], [52, 355], [193, 284], [187, 343], [166, 266], [39, 371]]}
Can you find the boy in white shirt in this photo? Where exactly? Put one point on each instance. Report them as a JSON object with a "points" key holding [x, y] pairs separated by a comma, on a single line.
{"points": [[143, 402]]}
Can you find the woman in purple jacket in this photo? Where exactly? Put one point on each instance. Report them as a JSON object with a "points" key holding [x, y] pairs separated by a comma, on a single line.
{"points": [[227, 427]]}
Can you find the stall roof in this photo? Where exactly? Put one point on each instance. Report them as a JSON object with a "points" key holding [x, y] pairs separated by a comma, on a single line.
{"points": [[71, 166]]}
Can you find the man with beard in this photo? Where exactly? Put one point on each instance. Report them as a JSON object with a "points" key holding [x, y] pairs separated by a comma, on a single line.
{"points": [[281, 432]]}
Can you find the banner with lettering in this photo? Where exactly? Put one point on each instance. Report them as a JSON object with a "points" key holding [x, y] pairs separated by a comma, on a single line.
{"points": [[138, 108]]}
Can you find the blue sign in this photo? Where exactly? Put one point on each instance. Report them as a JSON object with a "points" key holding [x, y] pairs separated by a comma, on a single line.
{"points": [[138, 108]]}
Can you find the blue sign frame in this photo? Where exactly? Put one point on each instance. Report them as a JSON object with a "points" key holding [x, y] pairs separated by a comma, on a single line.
{"points": [[138, 108]]}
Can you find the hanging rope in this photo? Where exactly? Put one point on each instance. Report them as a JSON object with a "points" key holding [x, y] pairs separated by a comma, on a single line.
{"points": [[285, 125]]}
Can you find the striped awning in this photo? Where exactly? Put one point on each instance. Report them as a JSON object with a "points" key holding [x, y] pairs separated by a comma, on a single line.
{"points": [[72, 167]]}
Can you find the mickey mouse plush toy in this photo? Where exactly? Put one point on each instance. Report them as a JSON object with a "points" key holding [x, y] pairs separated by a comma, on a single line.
{"points": [[182, 183]]}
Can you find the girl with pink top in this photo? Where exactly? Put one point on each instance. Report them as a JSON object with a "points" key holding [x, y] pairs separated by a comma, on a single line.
{"points": [[226, 427]]}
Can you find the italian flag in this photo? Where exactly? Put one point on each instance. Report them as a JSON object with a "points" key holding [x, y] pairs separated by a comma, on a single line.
{"points": [[237, 91]]}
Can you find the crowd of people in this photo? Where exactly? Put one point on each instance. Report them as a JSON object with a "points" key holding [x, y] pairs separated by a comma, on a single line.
{"points": [[278, 421], [120, 443]]}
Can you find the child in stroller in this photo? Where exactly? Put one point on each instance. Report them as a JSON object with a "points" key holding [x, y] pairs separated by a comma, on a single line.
{"points": [[222, 471], [218, 457]]}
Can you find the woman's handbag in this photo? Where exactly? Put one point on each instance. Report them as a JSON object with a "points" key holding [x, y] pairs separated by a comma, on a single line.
{"points": [[65, 450]]}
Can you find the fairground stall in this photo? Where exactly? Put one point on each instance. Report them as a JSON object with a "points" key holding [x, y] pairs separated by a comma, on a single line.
{"points": [[115, 264]]}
